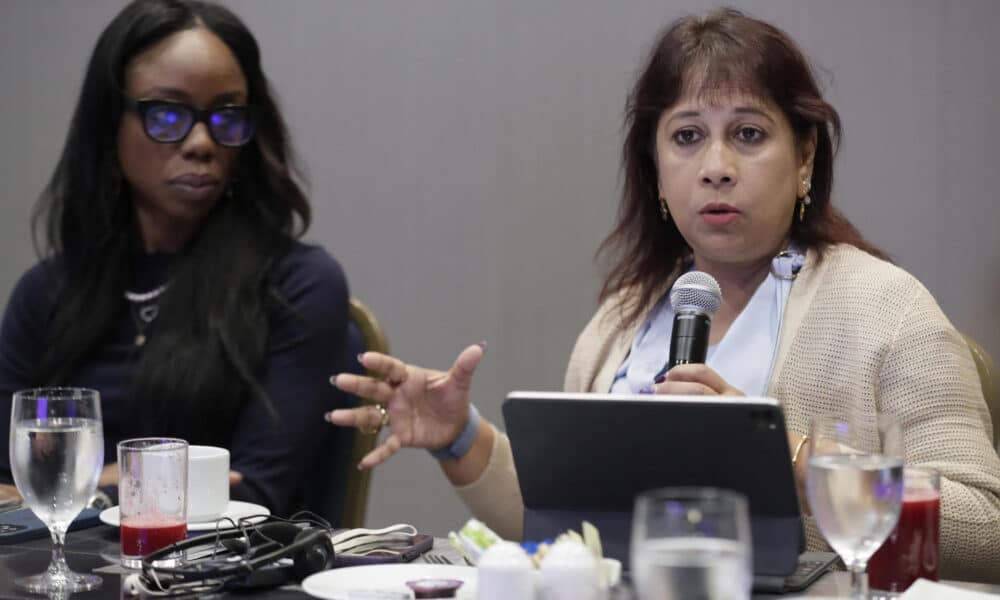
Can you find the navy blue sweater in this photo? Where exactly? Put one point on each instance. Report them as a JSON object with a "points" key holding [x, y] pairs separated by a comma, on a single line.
{"points": [[279, 460]]}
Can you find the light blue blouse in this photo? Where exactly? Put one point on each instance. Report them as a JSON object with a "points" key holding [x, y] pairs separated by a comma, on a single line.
{"points": [[745, 355]]}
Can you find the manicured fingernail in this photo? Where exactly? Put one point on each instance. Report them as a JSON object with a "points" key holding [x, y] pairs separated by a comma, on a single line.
{"points": [[660, 379], [482, 345], [360, 468], [647, 390], [360, 356]]}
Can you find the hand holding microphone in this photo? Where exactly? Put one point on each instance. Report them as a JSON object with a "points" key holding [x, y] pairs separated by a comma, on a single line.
{"points": [[695, 298]]}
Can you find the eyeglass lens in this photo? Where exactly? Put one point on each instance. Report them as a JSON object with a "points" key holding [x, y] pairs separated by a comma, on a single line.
{"points": [[171, 122]]}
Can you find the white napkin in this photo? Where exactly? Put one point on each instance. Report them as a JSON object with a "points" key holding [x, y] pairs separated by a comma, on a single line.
{"points": [[922, 589]]}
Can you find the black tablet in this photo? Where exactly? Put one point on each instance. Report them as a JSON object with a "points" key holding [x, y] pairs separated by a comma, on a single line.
{"points": [[588, 456]]}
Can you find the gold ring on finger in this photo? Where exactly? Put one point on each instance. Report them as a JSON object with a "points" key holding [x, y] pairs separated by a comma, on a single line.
{"points": [[383, 420]]}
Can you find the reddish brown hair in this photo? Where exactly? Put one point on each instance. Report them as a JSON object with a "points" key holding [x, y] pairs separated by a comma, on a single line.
{"points": [[716, 56]]}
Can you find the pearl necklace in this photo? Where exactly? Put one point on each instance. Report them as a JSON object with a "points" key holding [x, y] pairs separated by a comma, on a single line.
{"points": [[143, 297], [142, 316]]}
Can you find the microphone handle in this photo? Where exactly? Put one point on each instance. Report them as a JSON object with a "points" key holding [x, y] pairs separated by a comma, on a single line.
{"points": [[689, 340]]}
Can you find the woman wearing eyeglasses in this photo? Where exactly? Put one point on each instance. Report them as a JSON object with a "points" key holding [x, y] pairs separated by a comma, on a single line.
{"points": [[172, 278]]}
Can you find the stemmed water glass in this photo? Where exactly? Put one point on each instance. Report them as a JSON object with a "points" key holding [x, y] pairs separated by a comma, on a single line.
{"points": [[855, 487], [56, 455]]}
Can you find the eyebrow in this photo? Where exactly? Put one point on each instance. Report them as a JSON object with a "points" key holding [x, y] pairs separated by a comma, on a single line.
{"points": [[749, 110], [179, 94], [740, 110]]}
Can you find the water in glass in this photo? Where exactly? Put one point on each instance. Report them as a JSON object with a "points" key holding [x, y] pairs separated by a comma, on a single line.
{"points": [[856, 500], [691, 543], [56, 454], [682, 568], [855, 485], [56, 465]]}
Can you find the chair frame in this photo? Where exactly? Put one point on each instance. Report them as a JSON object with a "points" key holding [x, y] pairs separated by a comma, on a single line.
{"points": [[988, 380], [358, 481]]}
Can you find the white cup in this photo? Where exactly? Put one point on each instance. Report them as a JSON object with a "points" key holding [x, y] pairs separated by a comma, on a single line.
{"points": [[208, 483]]}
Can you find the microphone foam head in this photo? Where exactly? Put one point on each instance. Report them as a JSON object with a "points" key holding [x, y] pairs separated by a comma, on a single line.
{"points": [[696, 290]]}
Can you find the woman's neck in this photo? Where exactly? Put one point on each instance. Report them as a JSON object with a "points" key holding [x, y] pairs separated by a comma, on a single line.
{"points": [[738, 284], [160, 234]]}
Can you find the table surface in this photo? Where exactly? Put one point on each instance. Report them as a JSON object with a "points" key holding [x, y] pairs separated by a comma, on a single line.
{"points": [[96, 550]]}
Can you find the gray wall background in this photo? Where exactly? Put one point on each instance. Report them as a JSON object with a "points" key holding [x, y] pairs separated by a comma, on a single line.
{"points": [[464, 159]]}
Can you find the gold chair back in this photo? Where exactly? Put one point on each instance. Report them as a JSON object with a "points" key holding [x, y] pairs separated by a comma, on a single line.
{"points": [[356, 486], [988, 378]]}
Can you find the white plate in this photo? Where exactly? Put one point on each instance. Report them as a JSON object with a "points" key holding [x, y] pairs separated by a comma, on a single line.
{"points": [[336, 583], [235, 510]]}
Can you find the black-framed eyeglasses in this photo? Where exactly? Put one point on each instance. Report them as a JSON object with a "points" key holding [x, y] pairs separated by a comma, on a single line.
{"points": [[168, 121]]}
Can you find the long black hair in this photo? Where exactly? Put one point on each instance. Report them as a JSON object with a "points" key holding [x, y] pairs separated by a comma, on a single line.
{"points": [[207, 345]]}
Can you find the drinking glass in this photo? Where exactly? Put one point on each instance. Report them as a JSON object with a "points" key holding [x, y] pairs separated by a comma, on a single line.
{"points": [[691, 543], [152, 493], [56, 455], [912, 549], [855, 487]]}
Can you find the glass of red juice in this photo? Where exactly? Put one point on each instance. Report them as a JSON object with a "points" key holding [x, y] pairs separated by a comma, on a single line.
{"points": [[912, 550], [152, 493]]}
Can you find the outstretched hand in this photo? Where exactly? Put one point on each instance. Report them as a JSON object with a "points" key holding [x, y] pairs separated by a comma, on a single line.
{"points": [[425, 408]]}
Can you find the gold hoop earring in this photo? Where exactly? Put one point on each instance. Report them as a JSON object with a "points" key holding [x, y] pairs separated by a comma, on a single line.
{"points": [[664, 211]]}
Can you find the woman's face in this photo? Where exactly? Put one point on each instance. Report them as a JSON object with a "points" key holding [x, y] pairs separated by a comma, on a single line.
{"points": [[174, 185], [731, 174]]}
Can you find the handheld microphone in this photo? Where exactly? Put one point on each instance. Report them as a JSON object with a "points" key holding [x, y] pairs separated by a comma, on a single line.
{"points": [[695, 297]]}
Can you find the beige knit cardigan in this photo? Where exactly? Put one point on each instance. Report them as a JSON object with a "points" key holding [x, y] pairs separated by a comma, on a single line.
{"points": [[858, 334]]}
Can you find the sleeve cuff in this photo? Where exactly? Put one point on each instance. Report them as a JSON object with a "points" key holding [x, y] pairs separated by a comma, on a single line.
{"points": [[495, 498]]}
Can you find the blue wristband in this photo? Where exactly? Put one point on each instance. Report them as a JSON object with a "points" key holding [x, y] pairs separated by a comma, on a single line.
{"points": [[458, 448]]}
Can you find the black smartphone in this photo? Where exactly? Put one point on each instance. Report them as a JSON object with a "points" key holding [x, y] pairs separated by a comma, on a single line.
{"points": [[22, 525], [419, 544]]}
